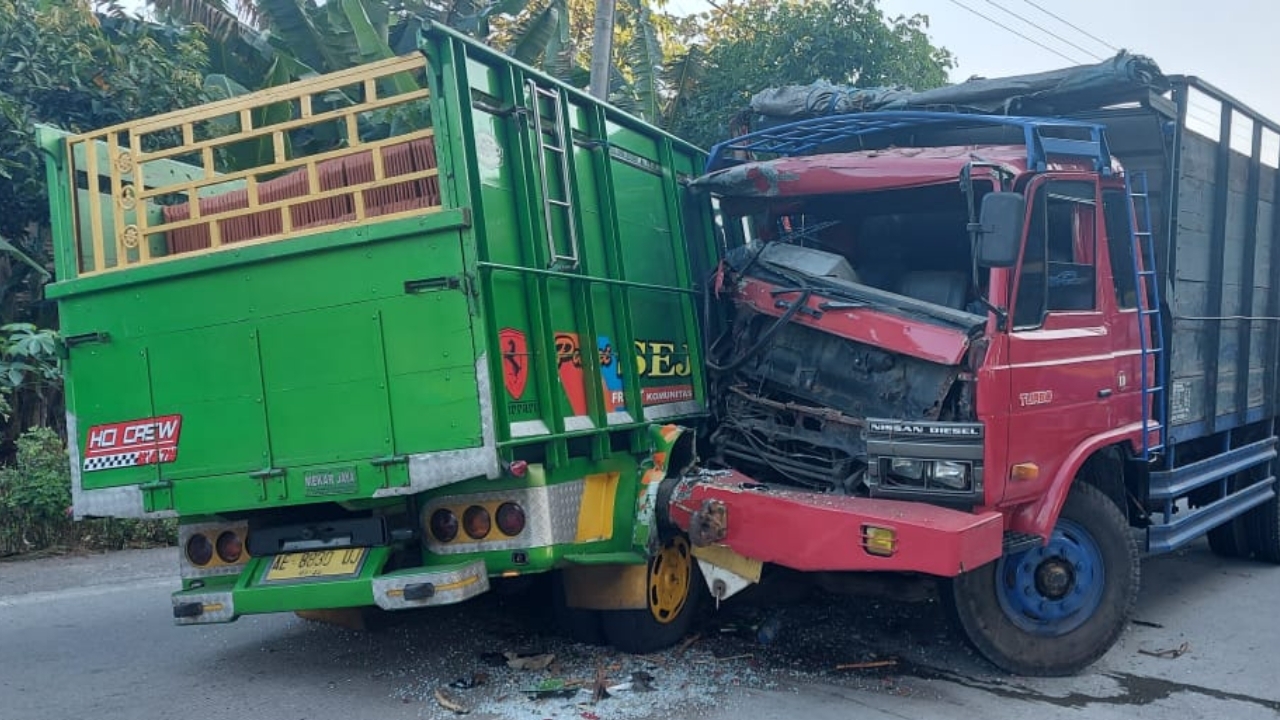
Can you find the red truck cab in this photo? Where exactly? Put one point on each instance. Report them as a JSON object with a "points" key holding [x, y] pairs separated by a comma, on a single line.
{"points": [[939, 349]]}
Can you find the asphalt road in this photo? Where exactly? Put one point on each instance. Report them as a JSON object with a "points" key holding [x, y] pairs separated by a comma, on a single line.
{"points": [[89, 637]]}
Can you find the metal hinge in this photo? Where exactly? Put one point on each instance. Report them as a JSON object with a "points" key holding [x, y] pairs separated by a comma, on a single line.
{"points": [[389, 460], [421, 285]]}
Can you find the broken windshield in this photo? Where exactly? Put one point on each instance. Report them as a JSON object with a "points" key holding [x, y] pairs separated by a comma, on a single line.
{"points": [[911, 243]]}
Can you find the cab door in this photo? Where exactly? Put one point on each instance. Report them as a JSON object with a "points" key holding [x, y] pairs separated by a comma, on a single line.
{"points": [[1062, 367]]}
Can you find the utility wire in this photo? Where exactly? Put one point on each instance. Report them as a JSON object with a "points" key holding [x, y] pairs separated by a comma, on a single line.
{"points": [[1045, 30], [1031, 40], [727, 14], [1071, 25]]}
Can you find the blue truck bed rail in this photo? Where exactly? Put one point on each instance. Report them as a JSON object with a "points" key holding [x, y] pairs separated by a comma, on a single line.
{"points": [[1043, 137]]}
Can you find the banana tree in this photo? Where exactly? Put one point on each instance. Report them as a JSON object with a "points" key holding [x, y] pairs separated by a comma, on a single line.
{"points": [[263, 42]]}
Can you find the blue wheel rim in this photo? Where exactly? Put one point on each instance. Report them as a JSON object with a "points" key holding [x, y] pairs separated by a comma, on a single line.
{"points": [[1053, 589]]}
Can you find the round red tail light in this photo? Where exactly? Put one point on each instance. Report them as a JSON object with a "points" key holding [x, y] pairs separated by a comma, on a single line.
{"points": [[444, 525], [510, 518], [230, 547], [476, 522], [199, 550]]}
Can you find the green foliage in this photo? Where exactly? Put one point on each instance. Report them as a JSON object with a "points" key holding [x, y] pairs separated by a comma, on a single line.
{"points": [[643, 58], [756, 44], [28, 361], [36, 491], [35, 500], [64, 66]]}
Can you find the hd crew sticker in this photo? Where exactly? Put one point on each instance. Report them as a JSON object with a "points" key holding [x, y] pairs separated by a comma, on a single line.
{"points": [[132, 443]]}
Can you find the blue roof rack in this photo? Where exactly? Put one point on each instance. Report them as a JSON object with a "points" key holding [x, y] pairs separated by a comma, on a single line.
{"points": [[808, 137]]}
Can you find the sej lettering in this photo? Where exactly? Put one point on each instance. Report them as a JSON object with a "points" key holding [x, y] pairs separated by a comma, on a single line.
{"points": [[655, 359]]}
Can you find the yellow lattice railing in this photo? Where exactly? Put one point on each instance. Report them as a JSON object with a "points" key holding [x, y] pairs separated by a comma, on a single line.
{"points": [[261, 167]]}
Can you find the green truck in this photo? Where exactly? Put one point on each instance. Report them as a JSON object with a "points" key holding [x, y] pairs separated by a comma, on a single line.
{"points": [[387, 337]]}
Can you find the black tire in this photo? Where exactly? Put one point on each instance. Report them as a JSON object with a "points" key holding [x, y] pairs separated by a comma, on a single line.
{"points": [[577, 624], [1083, 587], [1263, 528], [670, 613], [1230, 539]]}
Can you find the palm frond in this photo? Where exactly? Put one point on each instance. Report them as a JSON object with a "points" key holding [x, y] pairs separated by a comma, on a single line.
{"points": [[535, 34], [560, 54], [214, 15], [680, 79], [644, 56], [290, 21]]}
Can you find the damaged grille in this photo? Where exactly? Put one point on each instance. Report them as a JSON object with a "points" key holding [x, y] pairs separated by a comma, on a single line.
{"points": [[794, 412]]}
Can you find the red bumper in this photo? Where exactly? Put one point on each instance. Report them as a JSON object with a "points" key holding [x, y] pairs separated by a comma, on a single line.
{"points": [[815, 532]]}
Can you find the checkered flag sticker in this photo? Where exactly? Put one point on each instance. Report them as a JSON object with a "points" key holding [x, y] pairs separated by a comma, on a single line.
{"points": [[110, 462]]}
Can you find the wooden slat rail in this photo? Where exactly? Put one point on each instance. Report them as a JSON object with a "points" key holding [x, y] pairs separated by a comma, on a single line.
{"points": [[135, 224]]}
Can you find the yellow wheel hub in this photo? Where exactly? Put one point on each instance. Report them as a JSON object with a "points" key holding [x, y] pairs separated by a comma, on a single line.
{"points": [[670, 573]]}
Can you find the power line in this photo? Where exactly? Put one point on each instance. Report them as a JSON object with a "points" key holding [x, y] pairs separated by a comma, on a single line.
{"points": [[728, 14], [1033, 41], [1071, 25], [1045, 30]]}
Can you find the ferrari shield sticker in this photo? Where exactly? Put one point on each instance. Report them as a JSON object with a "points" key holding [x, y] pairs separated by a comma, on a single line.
{"points": [[515, 361]]}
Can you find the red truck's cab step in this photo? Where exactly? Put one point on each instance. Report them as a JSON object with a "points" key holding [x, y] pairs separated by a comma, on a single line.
{"points": [[812, 531]]}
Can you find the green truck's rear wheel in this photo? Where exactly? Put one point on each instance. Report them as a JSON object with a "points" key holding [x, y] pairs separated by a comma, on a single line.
{"points": [[673, 594]]}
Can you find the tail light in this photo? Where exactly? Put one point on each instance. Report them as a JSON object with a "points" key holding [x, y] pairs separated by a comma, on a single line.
{"points": [[199, 550], [476, 522], [510, 517], [444, 525], [230, 547]]}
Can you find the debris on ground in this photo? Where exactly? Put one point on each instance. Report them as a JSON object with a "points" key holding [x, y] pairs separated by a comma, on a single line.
{"points": [[1170, 654], [768, 630], [473, 680], [869, 665], [539, 661], [553, 687], [726, 658], [450, 703], [640, 681], [688, 643], [600, 689], [469, 653]]}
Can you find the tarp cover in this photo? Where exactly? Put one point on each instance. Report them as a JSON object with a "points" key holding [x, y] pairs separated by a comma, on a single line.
{"points": [[1123, 78]]}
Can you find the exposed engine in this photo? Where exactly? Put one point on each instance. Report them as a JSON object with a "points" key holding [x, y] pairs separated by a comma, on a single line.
{"points": [[796, 398]]}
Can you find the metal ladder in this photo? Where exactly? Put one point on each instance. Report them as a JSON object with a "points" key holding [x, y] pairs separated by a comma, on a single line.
{"points": [[559, 147], [1147, 289]]}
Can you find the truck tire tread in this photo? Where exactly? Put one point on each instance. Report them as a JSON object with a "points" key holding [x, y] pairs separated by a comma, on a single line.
{"points": [[976, 606], [1263, 528]]}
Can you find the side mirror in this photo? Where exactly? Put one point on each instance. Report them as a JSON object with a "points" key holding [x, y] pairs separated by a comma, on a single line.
{"points": [[998, 234]]}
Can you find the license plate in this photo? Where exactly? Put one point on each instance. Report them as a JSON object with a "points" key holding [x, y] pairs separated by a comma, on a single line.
{"points": [[315, 564]]}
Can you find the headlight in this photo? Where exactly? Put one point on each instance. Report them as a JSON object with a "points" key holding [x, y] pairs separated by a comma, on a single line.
{"points": [[907, 469], [951, 474]]}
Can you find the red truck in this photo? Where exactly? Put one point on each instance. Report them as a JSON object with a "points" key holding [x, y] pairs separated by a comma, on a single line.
{"points": [[1010, 352]]}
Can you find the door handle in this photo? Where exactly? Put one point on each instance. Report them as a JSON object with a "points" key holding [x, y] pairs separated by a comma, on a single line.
{"points": [[1104, 393]]}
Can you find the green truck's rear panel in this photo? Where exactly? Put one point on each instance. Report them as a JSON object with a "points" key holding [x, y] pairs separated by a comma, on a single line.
{"points": [[389, 357]]}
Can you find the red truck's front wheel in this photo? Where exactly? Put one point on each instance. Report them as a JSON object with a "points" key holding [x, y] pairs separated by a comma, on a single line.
{"points": [[1054, 609]]}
